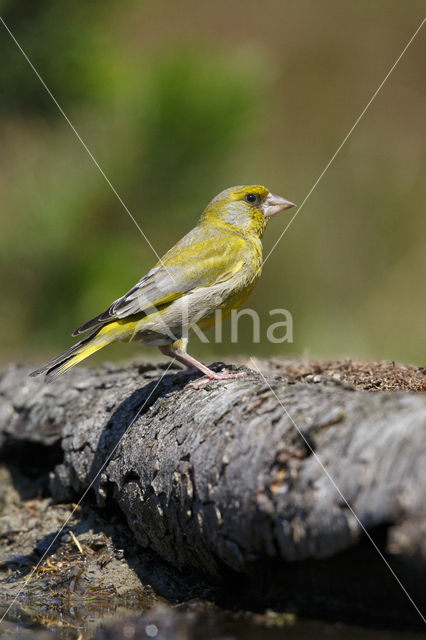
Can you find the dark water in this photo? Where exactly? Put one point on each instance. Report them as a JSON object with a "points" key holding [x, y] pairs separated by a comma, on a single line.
{"points": [[115, 620]]}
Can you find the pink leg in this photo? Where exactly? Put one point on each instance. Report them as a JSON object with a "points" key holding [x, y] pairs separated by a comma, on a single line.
{"points": [[167, 351], [192, 364]]}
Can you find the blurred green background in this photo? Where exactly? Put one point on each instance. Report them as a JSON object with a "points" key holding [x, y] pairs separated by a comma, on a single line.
{"points": [[180, 100]]}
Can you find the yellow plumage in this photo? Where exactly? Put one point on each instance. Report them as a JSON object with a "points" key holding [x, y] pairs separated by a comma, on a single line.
{"points": [[215, 266]]}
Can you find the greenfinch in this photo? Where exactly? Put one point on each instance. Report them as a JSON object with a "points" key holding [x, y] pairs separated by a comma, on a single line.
{"points": [[215, 266]]}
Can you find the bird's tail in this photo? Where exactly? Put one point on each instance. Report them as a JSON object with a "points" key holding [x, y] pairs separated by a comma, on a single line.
{"points": [[72, 356]]}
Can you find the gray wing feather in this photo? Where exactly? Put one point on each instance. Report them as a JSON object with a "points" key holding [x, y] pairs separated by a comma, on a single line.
{"points": [[156, 285], [165, 283]]}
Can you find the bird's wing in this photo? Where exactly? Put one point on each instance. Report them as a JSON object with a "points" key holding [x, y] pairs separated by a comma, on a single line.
{"points": [[201, 258]]}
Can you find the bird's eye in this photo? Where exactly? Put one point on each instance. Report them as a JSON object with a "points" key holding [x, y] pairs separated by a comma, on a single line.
{"points": [[251, 198]]}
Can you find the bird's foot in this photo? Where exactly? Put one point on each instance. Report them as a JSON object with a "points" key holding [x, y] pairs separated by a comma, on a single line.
{"points": [[214, 375], [189, 371]]}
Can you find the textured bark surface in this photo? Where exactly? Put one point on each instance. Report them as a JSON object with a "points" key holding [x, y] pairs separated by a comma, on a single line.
{"points": [[221, 479]]}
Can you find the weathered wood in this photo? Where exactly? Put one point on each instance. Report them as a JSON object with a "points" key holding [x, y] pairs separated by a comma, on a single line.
{"points": [[221, 477]]}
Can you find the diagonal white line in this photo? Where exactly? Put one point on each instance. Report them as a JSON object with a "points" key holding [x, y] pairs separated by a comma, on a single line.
{"points": [[318, 459], [58, 533], [84, 145], [345, 139]]}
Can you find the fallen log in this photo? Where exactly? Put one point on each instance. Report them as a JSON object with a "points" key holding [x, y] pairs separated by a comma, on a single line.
{"points": [[269, 483]]}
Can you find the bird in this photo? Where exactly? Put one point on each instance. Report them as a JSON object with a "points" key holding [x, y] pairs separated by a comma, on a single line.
{"points": [[213, 267]]}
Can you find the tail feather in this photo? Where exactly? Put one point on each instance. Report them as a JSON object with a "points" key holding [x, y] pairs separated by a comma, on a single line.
{"points": [[70, 357]]}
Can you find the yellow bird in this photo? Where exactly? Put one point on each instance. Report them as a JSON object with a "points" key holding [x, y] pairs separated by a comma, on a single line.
{"points": [[215, 266]]}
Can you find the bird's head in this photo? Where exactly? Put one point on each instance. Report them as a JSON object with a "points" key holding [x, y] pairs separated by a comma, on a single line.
{"points": [[247, 209]]}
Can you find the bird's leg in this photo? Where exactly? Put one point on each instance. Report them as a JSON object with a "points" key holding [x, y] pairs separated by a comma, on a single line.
{"points": [[178, 351], [167, 351]]}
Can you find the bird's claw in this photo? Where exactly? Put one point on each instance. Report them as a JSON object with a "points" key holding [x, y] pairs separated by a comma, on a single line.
{"points": [[221, 375]]}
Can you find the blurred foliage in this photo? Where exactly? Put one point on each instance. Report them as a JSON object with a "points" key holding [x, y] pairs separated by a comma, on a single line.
{"points": [[176, 109], [65, 41], [195, 107]]}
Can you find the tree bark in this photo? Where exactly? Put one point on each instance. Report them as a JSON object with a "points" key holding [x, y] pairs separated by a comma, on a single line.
{"points": [[251, 477]]}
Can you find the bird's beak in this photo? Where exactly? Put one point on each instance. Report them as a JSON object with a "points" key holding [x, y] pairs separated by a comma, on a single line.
{"points": [[275, 204]]}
